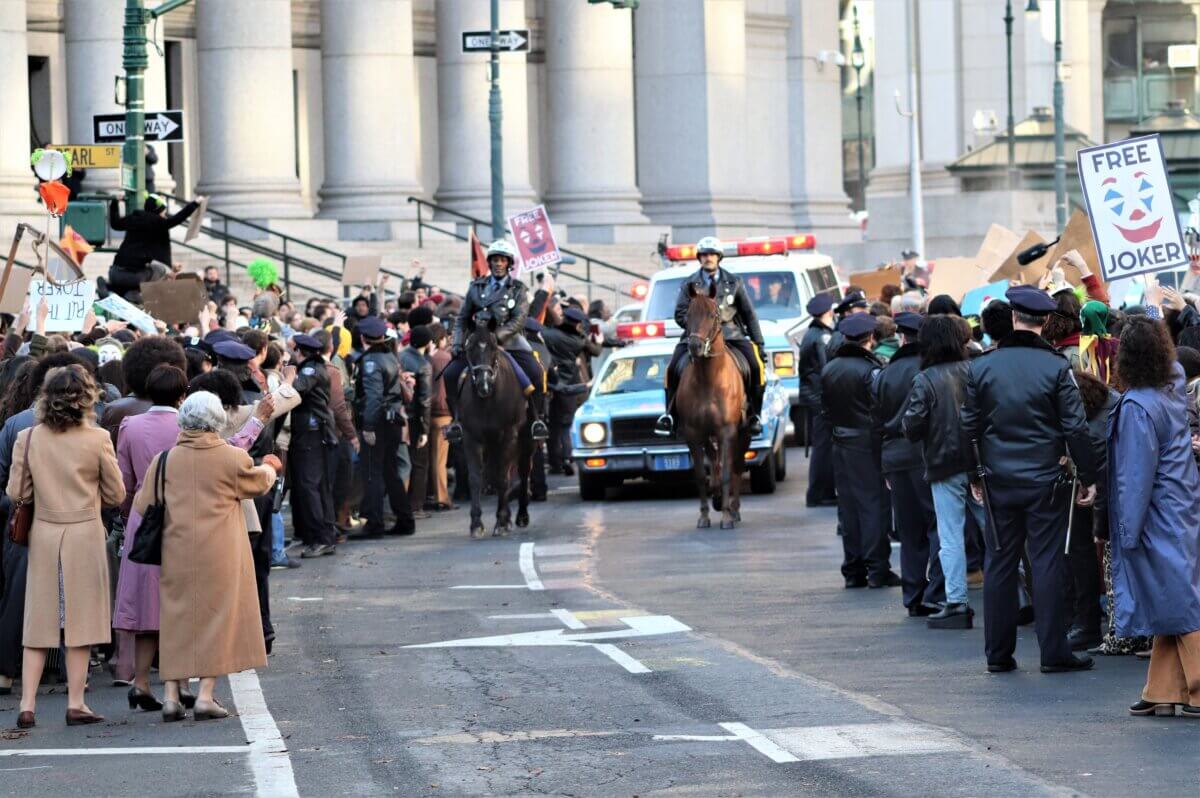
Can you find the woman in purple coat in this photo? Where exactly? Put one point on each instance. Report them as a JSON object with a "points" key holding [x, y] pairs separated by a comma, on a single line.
{"points": [[141, 438], [1154, 518]]}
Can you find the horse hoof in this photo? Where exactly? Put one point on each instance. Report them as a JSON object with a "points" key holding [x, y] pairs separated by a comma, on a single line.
{"points": [[728, 525], [477, 532], [502, 530], [703, 523], [522, 520], [737, 516]]}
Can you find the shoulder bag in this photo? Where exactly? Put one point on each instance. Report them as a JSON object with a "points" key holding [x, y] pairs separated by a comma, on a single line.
{"points": [[21, 518], [147, 541]]}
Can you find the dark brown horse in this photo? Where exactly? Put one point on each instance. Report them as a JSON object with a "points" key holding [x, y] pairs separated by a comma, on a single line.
{"points": [[496, 437], [710, 408]]}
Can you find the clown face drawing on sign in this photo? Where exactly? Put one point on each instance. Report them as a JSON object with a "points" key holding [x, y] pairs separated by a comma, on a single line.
{"points": [[533, 237], [1130, 199]]}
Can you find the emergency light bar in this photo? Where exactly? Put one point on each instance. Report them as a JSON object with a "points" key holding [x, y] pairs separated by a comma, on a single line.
{"points": [[637, 330], [748, 246], [639, 290]]}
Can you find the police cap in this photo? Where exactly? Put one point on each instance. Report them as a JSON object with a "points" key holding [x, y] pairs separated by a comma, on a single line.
{"points": [[575, 315], [1027, 299], [857, 326], [216, 336], [532, 326], [307, 342], [909, 323], [819, 305], [854, 299], [372, 327], [232, 350]]}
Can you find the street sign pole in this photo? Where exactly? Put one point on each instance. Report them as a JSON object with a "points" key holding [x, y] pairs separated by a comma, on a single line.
{"points": [[133, 158], [494, 117]]}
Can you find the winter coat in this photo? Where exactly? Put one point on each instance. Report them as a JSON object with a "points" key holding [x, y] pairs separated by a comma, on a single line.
{"points": [[892, 388], [739, 320], [846, 394], [147, 236], [813, 357], [1154, 513], [933, 417]]}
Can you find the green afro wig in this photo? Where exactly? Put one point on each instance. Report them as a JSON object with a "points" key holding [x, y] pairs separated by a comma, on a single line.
{"points": [[264, 272]]}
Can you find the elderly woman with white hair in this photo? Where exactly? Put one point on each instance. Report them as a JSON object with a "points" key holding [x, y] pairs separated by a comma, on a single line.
{"points": [[208, 601]]}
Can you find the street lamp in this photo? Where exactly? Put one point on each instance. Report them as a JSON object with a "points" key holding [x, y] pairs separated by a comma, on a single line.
{"points": [[858, 60], [1060, 158], [1012, 144], [1032, 9]]}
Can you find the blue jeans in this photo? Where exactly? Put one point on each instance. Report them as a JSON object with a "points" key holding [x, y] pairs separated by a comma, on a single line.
{"points": [[950, 500], [277, 554]]}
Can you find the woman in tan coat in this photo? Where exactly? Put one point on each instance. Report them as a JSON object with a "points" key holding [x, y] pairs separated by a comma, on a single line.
{"points": [[209, 624], [72, 471]]}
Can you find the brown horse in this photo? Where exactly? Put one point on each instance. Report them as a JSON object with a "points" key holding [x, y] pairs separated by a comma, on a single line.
{"points": [[710, 408]]}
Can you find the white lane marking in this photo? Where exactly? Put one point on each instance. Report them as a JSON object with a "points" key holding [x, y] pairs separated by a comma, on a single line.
{"points": [[639, 626], [521, 616], [568, 618], [489, 587], [621, 658], [862, 740], [559, 549], [510, 736], [525, 560], [269, 760], [696, 738], [759, 742], [305, 598], [560, 566], [182, 749], [14, 770]]}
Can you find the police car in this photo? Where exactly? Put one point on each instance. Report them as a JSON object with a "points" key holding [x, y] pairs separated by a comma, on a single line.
{"points": [[613, 432], [780, 274]]}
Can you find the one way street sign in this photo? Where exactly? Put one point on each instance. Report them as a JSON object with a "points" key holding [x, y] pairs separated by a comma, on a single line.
{"points": [[480, 41], [166, 126]]}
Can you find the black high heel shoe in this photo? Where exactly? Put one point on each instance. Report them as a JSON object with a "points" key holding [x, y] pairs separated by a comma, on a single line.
{"points": [[187, 699], [140, 699]]}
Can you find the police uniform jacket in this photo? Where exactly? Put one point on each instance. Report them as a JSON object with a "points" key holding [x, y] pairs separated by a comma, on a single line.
{"points": [[738, 319], [420, 407], [566, 345], [378, 394], [508, 305], [1023, 406], [892, 388], [846, 394], [313, 414], [813, 357]]}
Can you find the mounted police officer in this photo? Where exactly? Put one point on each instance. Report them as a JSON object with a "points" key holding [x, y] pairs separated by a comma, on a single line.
{"points": [[739, 327], [507, 300]]}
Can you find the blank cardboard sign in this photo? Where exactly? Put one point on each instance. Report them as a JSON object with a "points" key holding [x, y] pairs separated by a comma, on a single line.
{"points": [[872, 282], [177, 301], [361, 270]]}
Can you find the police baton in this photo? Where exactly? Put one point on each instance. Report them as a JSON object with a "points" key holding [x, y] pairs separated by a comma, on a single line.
{"points": [[990, 535], [1071, 514]]}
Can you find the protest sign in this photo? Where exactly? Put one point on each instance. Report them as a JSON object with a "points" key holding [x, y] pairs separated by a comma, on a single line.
{"points": [[175, 301], [1031, 272], [975, 299], [1077, 235], [956, 276], [69, 303], [361, 270], [872, 282], [1129, 202], [16, 291], [536, 247], [196, 220], [118, 307]]}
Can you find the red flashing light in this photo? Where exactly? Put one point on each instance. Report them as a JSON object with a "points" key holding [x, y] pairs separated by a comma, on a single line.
{"points": [[770, 246], [752, 246], [637, 330], [802, 241], [681, 252], [639, 290]]}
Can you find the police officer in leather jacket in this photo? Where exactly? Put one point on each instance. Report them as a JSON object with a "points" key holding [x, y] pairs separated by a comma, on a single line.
{"points": [[379, 402], [506, 299], [814, 354], [312, 452], [739, 328]]}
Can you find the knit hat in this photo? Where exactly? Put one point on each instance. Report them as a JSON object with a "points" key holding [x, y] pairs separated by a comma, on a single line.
{"points": [[1094, 317], [419, 337]]}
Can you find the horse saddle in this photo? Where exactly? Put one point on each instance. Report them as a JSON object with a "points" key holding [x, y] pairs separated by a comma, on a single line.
{"points": [[739, 360]]}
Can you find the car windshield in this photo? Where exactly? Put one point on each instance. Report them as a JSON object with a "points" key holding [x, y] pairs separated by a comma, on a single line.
{"points": [[630, 374], [774, 295]]}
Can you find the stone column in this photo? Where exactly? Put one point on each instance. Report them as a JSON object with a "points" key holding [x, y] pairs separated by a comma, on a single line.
{"points": [[247, 108], [589, 123], [465, 149], [94, 31], [370, 106], [156, 100], [819, 203], [16, 181]]}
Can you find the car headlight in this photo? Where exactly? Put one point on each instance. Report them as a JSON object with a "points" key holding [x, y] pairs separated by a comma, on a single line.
{"points": [[784, 363], [593, 433]]}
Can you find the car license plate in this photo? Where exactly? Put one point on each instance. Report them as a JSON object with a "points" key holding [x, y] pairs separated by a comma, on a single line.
{"points": [[672, 462]]}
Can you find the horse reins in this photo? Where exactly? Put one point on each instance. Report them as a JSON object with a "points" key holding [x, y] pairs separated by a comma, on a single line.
{"points": [[708, 342]]}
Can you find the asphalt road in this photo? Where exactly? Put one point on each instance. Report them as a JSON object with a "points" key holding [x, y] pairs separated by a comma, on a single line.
{"points": [[614, 649]]}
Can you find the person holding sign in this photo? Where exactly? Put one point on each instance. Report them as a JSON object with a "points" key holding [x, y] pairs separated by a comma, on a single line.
{"points": [[147, 242]]}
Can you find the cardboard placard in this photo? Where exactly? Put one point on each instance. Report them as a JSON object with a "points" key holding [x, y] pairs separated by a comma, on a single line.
{"points": [[361, 269], [872, 282], [1077, 235], [120, 308], [175, 301], [16, 293], [69, 303], [956, 276], [997, 245], [1032, 272], [196, 219]]}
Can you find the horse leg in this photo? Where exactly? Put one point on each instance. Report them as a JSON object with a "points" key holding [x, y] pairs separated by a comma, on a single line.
{"points": [[739, 468], [714, 476], [474, 453], [726, 453], [696, 451], [524, 469], [502, 479]]}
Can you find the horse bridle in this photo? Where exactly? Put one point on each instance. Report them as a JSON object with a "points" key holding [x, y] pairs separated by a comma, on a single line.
{"points": [[707, 342]]}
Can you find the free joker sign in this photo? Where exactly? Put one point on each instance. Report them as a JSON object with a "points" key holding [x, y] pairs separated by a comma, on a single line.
{"points": [[1129, 202], [535, 240]]}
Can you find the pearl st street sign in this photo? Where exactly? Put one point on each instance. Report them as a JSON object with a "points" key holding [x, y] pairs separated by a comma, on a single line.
{"points": [[161, 126], [91, 156], [511, 41]]}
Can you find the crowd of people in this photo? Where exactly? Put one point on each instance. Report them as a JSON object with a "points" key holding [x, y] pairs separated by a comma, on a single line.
{"points": [[261, 422], [1044, 452]]}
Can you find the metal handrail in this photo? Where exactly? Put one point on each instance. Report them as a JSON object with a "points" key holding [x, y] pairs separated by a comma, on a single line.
{"points": [[588, 260], [263, 228]]}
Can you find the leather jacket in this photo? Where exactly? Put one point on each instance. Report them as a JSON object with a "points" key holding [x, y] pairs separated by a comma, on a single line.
{"points": [[313, 414], [892, 388], [813, 357], [933, 419], [846, 394], [1023, 406], [420, 408], [509, 306], [379, 399], [738, 318]]}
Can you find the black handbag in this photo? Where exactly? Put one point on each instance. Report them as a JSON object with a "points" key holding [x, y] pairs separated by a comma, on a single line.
{"points": [[147, 541]]}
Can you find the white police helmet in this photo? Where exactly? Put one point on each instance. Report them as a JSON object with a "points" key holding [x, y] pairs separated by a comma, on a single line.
{"points": [[502, 247], [710, 244]]}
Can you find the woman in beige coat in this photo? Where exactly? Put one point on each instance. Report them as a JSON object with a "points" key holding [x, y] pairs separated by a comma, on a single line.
{"points": [[72, 472], [209, 624]]}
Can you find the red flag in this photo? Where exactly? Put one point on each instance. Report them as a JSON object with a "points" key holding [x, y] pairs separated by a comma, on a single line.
{"points": [[479, 265]]}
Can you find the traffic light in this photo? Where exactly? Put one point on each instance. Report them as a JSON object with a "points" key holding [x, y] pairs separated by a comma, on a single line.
{"points": [[617, 3]]}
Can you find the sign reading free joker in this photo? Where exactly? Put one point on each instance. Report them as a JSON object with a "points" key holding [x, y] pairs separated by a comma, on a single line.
{"points": [[534, 237], [1129, 202]]}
